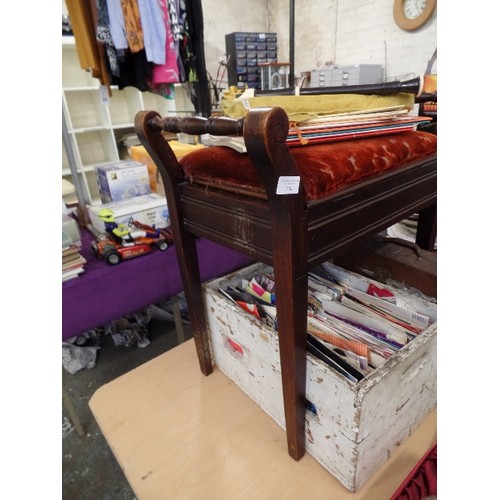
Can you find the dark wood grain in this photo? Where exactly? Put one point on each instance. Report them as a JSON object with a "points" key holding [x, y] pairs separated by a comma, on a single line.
{"points": [[284, 231]]}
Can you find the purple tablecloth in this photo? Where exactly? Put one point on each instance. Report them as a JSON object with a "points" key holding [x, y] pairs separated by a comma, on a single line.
{"points": [[104, 293]]}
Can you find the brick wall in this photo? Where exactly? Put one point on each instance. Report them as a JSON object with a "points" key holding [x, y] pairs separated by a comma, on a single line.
{"points": [[326, 32], [353, 32], [366, 33], [228, 16]]}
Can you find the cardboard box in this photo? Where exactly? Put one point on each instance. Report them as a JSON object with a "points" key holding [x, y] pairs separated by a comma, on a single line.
{"points": [[148, 209], [355, 426], [70, 231], [122, 180], [140, 154]]}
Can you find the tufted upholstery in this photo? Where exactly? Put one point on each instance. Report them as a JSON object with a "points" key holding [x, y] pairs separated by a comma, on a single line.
{"points": [[324, 168]]}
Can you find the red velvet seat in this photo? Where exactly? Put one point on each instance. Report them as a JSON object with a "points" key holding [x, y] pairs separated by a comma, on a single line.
{"points": [[323, 168]]}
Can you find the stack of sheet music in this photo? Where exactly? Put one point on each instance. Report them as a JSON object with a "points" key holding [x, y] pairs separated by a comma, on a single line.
{"points": [[237, 142], [354, 325], [353, 125], [337, 127]]}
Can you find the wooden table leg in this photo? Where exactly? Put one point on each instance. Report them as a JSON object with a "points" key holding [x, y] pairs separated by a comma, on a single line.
{"points": [[291, 298], [187, 257], [72, 412], [427, 228]]}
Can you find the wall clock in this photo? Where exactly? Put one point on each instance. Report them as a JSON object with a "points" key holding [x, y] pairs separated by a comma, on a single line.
{"points": [[411, 14]]}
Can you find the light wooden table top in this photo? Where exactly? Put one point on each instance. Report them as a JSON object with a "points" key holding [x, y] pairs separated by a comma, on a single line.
{"points": [[180, 435]]}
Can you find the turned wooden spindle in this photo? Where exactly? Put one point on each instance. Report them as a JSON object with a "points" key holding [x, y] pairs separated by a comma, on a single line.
{"points": [[198, 125]]}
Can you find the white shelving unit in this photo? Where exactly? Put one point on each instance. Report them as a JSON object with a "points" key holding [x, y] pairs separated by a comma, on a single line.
{"points": [[94, 127]]}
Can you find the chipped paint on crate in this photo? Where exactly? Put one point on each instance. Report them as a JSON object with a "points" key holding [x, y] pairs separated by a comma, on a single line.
{"points": [[355, 427], [263, 336]]}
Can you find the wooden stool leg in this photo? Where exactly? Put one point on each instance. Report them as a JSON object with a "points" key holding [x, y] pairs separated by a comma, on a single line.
{"points": [[187, 257], [179, 329], [185, 242], [291, 297], [427, 228]]}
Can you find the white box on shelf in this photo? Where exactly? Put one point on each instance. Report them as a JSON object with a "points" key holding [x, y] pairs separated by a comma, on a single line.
{"points": [[148, 209], [353, 427], [70, 231], [122, 180], [357, 74]]}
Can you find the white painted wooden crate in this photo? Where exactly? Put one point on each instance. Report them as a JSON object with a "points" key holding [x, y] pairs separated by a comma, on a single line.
{"points": [[356, 426]]}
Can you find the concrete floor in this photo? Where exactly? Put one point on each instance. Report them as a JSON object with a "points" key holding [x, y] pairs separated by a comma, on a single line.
{"points": [[89, 468]]}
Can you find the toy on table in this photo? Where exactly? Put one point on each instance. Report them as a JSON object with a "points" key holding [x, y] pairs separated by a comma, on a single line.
{"points": [[125, 241]]}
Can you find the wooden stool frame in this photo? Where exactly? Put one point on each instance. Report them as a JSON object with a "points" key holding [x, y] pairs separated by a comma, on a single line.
{"points": [[284, 231]]}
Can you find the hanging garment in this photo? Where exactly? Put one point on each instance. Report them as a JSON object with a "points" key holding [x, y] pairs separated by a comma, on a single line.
{"points": [[166, 90], [186, 54], [175, 22], [135, 71], [154, 31], [194, 57], [177, 27], [117, 24], [168, 72], [91, 56], [82, 22], [103, 35], [133, 27]]}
